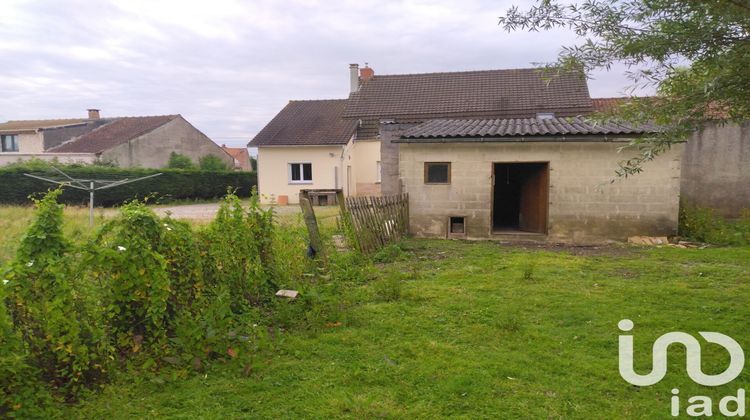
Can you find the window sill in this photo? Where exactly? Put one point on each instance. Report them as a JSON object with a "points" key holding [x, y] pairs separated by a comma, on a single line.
{"points": [[300, 182], [437, 183]]}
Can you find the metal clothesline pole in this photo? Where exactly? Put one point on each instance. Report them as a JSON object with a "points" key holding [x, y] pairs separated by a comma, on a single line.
{"points": [[91, 187]]}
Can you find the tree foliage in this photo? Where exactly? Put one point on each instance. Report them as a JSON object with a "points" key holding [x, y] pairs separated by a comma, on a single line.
{"points": [[694, 53], [179, 161], [212, 163]]}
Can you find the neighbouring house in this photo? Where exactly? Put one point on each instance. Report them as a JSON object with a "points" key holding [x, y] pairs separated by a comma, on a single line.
{"points": [[125, 141], [241, 157], [308, 145]]}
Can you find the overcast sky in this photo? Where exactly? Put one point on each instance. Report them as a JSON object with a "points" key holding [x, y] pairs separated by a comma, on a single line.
{"points": [[229, 66]]}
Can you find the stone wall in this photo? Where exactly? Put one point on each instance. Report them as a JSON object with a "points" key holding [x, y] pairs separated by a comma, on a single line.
{"points": [[584, 206], [716, 169]]}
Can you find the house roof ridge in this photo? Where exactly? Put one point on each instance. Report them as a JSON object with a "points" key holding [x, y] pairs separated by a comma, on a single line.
{"points": [[116, 131], [319, 100], [461, 72]]}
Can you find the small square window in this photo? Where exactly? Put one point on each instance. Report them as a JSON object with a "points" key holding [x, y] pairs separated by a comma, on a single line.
{"points": [[300, 173], [9, 143], [456, 225], [437, 173]]}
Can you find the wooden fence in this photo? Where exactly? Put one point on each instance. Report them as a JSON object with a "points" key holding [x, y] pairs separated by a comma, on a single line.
{"points": [[377, 221]]}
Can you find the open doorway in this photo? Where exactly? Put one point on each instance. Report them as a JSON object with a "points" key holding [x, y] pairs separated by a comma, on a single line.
{"points": [[519, 197]]}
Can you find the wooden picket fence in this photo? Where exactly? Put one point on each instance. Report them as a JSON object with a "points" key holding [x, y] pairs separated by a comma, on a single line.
{"points": [[377, 221]]}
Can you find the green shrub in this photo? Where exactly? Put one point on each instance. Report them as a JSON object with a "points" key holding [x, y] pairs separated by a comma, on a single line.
{"points": [[55, 320], [125, 260], [704, 225], [212, 163], [179, 161], [22, 394], [238, 250], [172, 184]]}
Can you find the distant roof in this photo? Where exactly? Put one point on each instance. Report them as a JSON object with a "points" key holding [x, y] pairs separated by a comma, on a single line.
{"points": [[607, 104], [33, 125], [237, 152], [520, 127], [309, 123], [496, 93], [114, 133]]}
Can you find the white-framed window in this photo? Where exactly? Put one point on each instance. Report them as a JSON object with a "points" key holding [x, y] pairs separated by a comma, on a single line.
{"points": [[300, 173], [378, 170], [9, 142]]}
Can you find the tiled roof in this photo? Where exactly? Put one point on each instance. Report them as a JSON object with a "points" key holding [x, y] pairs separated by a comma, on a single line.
{"points": [[237, 152], [495, 93], [518, 127], [607, 104], [114, 133], [307, 123], [32, 125]]}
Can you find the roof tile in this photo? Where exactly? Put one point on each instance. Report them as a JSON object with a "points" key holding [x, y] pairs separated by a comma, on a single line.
{"points": [[114, 133], [306, 123], [496, 93]]}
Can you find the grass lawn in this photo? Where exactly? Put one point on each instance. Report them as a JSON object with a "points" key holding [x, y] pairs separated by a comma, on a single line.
{"points": [[480, 330]]}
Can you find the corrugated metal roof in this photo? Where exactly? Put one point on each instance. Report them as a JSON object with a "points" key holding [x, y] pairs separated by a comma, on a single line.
{"points": [[516, 127]]}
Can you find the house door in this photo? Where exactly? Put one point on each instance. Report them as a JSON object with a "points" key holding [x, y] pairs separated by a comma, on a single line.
{"points": [[520, 197]]}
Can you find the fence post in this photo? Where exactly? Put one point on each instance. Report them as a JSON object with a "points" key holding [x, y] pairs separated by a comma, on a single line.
{"points": [[311, 222]]}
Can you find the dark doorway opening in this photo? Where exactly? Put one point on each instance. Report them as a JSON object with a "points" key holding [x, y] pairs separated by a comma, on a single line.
{"points": [[520, 192]]}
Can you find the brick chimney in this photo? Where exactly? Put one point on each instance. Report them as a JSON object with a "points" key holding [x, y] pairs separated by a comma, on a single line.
{"points": [[366, 73], [353, 78], [93, 114]]}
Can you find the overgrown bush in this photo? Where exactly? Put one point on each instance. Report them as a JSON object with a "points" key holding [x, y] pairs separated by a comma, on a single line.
{"points": [[179, 161], [704, 225], [23, 395], [172, 184], [148, 292], [64, 344], [212, 163], [237, 247], [125, 260]]}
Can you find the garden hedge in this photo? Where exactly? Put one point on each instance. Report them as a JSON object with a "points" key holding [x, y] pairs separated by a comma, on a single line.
{"points": [[173, 184]]}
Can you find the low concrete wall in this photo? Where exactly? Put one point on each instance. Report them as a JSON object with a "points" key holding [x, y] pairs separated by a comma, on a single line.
{"points": [[584, 207], [716, 169], [66, 158]]}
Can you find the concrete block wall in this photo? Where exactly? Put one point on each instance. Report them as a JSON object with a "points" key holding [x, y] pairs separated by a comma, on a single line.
{"points": [[716, 169], [584, 206]]}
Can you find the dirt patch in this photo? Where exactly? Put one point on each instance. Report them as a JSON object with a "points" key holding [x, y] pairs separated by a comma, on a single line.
{"points": [[608, 250]]}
